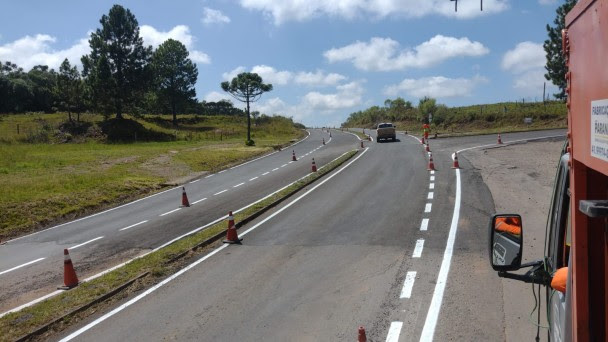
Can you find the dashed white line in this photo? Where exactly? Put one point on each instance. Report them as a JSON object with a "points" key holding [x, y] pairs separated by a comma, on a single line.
{"points": [[432, 186], [252, 179], [406, 291], [418, 249], [432, 178], [283, 165], [221, 192], [194, 181], [265, 173], [236, 186], [394, 331], [290, 162], [424, 225], [432, 172], [85, 243], [208, 176], [23, 265], [427, 207], [202, 199], [431, 195], [222, 171], [133, 225], [276, 168], [169, 212]]}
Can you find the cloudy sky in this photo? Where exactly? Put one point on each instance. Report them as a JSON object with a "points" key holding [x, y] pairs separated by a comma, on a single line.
{"points": [[325, 58]]}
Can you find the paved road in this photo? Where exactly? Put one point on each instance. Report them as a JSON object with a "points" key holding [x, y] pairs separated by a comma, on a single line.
{"points": [[109, 238], [364, 246]]}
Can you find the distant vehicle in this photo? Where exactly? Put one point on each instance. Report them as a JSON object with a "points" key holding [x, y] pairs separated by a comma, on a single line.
{"points": [[386, 131]]}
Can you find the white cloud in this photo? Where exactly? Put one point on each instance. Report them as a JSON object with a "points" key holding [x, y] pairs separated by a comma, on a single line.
{"points": [[318, 78], [384, 54], [211, 16], [215, 96], [347, 96], [298, 10], [199, 57], [30, 51], [437, 87], [547, 2], [271, 75], [228, 76], [274, 106], [181, 33], [525, 56]]}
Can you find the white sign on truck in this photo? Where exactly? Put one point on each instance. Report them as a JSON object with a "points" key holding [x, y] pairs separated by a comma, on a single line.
{"points": [[599, 129]]}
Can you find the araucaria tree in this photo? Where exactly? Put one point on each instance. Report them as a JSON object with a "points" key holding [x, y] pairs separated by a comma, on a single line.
{"points": [[117, 69], [556, 64], [247, 87], [175, 74]]}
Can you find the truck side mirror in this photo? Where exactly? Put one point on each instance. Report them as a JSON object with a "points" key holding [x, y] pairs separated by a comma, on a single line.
{"points": [[506, 242]]}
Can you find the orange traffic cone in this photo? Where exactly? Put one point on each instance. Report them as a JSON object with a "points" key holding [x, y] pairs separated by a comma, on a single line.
{"points": [[369, 137], [428, 149], [231, 235], [431, 166], [499, 140], [455, 166], [185, 202], [69, 274], [293, 155], [361, 143], [422, 141], [314, 165], [323, 141], [362, 337]]}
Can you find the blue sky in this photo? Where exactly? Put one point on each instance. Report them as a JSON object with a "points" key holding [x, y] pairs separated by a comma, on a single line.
{"points": [[325, 58]]}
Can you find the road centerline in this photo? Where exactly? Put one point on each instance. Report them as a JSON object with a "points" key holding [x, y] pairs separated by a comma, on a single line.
{"points": [[430, 195], [86, 242], [424, 225], [236, 186], [133, 225], [408, 284], [169, 212], [418, 249], [202, 199], [22, 265], [394, 331], [254, 178], [220, 192], [428, 207]]}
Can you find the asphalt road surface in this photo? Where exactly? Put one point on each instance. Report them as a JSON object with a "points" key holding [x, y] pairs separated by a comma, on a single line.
{"points": [[380, 243]]}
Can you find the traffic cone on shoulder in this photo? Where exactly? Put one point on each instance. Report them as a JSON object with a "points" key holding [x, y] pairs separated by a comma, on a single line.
{"points": [[428, 149], [422, 141], [499, 139], [369, 137], [69, 274], [455, 166], [293, 155], [361, 143], [362, 337], [431, 166], [231, 235], [185, 202], [323, 141], [314, 165]]}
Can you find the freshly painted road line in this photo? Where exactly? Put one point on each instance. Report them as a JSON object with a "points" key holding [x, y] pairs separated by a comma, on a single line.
{"points": [[290, 162], [35, 301], [208, 176], [221, 192], [432, 178], [133, 225], [394, 331], [432, 172], [430, 195], [283, 165], [86, 243], [236, 186], [265, 173], [202, 199], [427, 207], [431, 318], [254, 178], [222, 171], [276, 168], [194, 181], [408, 284], [169, 212], [418, 249], [424, 225], [269, 154], [432, 186], [23, 265]]}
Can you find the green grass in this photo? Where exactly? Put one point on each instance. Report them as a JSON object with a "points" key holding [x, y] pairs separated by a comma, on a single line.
{"points": [[17, 324]]}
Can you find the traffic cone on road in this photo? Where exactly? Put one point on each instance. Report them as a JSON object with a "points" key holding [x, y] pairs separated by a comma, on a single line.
{"points": [[231, 235], [422, 141], [455, 166], [185, 202], [323, 141], [428, 149], [314, 165], [330, 134], [361, 143], [369, 137], [362, 337], [499, 139], [431, 166], [293, 155], [69, 274]]}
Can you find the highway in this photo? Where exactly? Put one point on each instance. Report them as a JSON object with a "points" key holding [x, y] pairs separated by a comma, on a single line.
{"points": [[381, 243], [32, 266]]}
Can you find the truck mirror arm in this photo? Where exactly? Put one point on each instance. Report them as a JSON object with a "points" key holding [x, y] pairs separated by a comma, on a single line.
{"points": [[536, 275]]}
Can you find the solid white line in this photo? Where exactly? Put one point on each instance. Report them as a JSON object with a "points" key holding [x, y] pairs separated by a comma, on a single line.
{"points": [[169, 212], [408, 284], [432, 178], [275, 169], [269, 154], [283, 165], [187, 268], [236, 186], [194, 181], [254, 178], [424, 225], [431, 318], [133, 225], [427, 207], [35, 301], [23, 265], [418, 249], [220, 192], [208, 176], [202, 199], [431, 195], [394, 331], [222, 171], [432, 186], [87, 242], [265, 173]]}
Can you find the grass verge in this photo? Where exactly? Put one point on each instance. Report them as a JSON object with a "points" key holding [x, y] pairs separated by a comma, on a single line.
{"points": [[59, 310]]}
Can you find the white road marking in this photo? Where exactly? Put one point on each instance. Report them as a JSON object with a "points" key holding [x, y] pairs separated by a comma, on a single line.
{"points": [[133, 225], [187, 268], [431, 318], [431, 195], [236, 186], [276, 168], [269, 154], [86, 243], [23, 265], [208, 176], [254, 178], [265, 173], [432, 172], [169, 212], [432, 178], [432, 186], [427, 207], [290, 162], [424, 225], [194, 181], [202, 199], [283, 165], [408, 284], [222, 171], [221, 192], [394, 331], [418, 249]]}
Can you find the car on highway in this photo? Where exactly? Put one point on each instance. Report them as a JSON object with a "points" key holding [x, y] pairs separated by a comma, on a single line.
{"points": [[386, 130]]}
